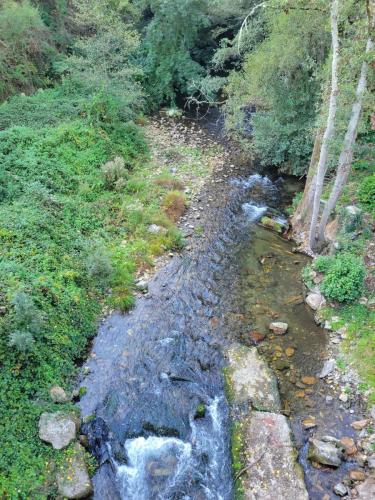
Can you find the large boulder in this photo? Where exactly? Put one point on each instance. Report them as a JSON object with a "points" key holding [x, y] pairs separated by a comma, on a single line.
{"points": [[272, 471], [251, 379], [73, 480], [58, 428], [325, 453], [315, 300]]}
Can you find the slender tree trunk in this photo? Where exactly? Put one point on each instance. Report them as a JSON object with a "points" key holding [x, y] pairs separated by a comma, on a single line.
{"points": [[322, 165], [303, 211], [346, 156]]}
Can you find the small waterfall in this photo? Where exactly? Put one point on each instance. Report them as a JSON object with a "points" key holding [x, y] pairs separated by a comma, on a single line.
{"points": [[162, 467]]}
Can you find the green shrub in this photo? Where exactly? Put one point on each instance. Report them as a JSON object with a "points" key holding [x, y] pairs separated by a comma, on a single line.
{"points": [[366, 193], [22, 341], [322, 263], [99, 267], [344, 277], [114, 173]]}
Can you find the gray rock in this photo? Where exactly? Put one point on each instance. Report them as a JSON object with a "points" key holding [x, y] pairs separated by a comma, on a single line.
{"points": [[315, 300], [73, 480], [324, 453], [371, 462], [155, 229], [58, 428], [271, 460], [251, 379], [58, 395], [372, 412], [340, 489], [366, 490], [328, 368], [278, 327], [142, 285]]}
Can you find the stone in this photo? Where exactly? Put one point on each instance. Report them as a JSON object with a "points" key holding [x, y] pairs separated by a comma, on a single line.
{"points": [[308, 380], [344, 397], [289, 351], [324, 453], [349, 444], [340, 489], [358, 425], [300, 394], [142, 285], [371, 462], [272, 470], [315, 300], [58, 395], [357, 475], [271, 224], [366, 490], [251, 379], [58, 428], [282, 364], [278, 327], [155, 229], [309, 423], [73, 480], [257, 336]]}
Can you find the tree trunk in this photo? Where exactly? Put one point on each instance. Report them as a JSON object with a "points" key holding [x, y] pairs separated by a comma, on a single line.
{"points": [[346, 156], [302, 215], [328, 134]]}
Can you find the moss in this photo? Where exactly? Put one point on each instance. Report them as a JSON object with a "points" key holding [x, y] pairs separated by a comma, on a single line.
{"points": [[82, 391], [200, 411], [228, 384], [271, 224], [237, 453]]}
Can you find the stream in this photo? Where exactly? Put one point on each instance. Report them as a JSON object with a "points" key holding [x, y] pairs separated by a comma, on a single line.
{"points": [[158, 419]]}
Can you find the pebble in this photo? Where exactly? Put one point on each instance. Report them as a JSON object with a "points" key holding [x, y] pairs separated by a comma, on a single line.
{"points": [[357, 475], [358, 425], [344, 397], [309, 423], [340, 489], [349, 444], [309, 380], [289, 351]]}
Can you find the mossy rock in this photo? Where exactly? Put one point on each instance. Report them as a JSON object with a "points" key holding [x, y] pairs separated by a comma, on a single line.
{"points": [[200, 411], [271, 224]]}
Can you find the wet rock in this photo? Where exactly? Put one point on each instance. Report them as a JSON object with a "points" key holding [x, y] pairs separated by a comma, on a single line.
{"points": [[315, 300], [328, 368], [142, 285], [271, 224], [272, 469], [251, 379], [58, 395], [349, 444], [358, 425], [309, 423], [366, 490], [357, 475], [340, 489], [282, 364], [73, 480], [308, 380], [257, 336], [289, 351], [278, 327], [58, 428], [324, 453]]}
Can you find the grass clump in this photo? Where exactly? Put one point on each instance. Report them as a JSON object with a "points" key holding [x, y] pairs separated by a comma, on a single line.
{"points": [[174, 205]]}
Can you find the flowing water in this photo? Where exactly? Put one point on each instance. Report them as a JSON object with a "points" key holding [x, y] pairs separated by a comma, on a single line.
{"points": [[160, 421]]}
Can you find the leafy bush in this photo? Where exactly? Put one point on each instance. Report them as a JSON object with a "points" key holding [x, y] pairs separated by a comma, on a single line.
{"points": [[366, 193], [22, 341], [98, 265], [323, 263], [344, 277], [114, 172]]}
